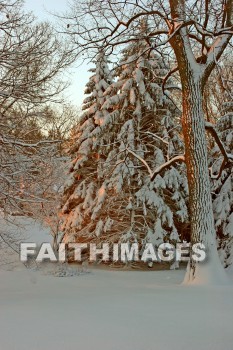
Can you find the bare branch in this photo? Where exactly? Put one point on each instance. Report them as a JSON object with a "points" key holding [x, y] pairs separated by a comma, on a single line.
{"points": [[168, 76], [223, 166], [227, 158], [210, 128], [221, 42]]}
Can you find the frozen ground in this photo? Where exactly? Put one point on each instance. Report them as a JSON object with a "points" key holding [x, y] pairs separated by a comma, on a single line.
{"points": [[112, 310]]}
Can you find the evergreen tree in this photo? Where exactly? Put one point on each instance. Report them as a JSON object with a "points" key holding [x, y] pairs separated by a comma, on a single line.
{"points": [[133, 125], [82, 182], [222, 187]]}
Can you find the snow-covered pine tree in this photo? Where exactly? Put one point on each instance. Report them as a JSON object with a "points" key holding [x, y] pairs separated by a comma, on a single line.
{"points": [[144, 127], [136, 124], [82, 182]]}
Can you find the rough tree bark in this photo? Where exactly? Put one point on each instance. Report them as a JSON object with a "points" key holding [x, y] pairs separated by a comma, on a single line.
{"points": [[194, 76]]}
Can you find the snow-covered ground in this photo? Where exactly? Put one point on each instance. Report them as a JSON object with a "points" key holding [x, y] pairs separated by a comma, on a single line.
{"points": [[112, 310], [14, 231]]}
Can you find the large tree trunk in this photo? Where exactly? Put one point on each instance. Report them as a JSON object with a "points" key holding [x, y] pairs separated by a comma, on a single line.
{"points": [[200, 201], [194, 76]]}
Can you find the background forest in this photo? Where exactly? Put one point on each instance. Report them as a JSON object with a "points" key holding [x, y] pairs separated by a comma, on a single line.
{"points": [[99, 175]]}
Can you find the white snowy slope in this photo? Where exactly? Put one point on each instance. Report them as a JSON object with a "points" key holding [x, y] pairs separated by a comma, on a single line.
{"points": [[15, 230], [112, 310]]}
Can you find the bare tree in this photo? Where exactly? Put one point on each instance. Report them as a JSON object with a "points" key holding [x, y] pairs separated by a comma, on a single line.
{"points": [[32, 60], [218, 91], [195, 34], [58, 121]]}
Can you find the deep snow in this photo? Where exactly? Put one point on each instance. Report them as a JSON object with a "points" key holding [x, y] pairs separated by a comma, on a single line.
{"points": [[112, 310]]}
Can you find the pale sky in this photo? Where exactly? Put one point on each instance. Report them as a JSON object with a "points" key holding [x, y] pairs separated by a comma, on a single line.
{"points": [[79, 75]]}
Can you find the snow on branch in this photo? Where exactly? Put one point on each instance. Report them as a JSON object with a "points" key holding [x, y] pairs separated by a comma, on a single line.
{"points": [[162, 167], [156, 137], [167, 165], [141, 160], [5, 140]]}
